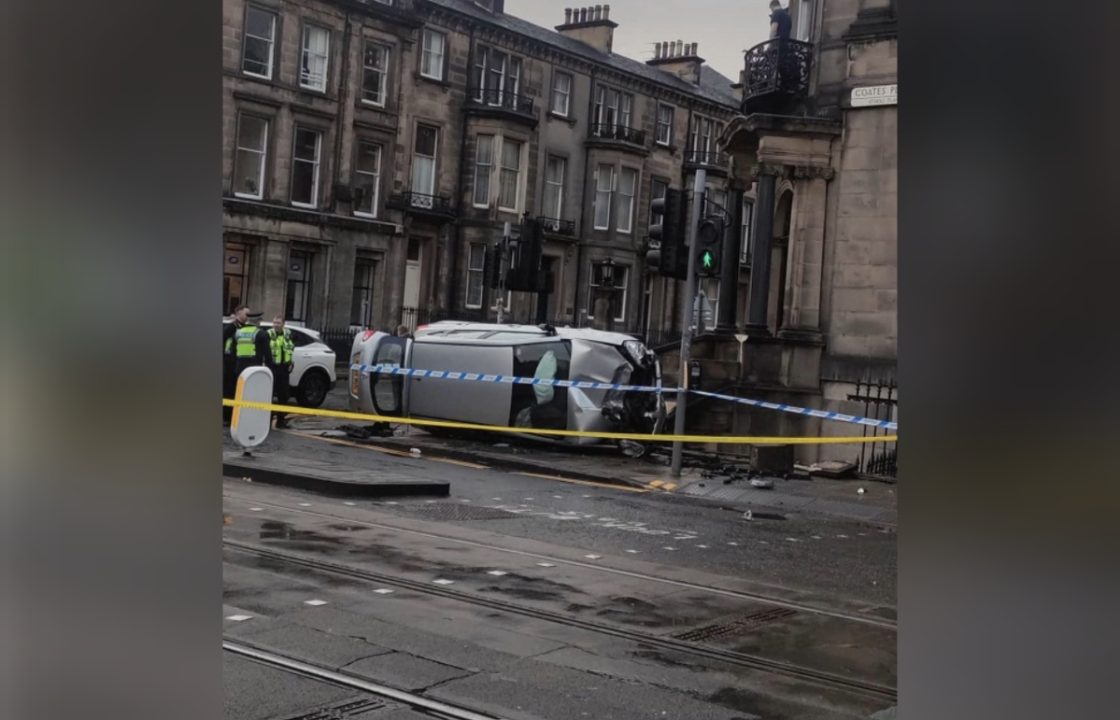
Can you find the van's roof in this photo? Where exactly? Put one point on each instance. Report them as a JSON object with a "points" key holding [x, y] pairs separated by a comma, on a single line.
{"points": [[510, 333]]}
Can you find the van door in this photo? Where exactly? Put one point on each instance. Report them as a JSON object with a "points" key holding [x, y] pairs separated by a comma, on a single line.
{"points": [[386, 389]]}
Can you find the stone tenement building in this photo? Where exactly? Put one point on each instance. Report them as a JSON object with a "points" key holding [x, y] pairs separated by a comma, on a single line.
{"points": [[817, 142], [373, 149]]}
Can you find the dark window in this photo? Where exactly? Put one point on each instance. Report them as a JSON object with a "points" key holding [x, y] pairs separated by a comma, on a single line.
{"points": [[299, 286], [361, 304], [235, 276]]}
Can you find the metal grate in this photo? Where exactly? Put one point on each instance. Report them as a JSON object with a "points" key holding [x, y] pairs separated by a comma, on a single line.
{"points": [[340, 711], [736, 627], [457, 511]]}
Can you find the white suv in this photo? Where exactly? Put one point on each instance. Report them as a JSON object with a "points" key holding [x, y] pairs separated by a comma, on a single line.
{"points": [[313, 373]]}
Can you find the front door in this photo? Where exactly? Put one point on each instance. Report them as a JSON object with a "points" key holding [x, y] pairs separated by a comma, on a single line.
{"points": [[412, 277]]}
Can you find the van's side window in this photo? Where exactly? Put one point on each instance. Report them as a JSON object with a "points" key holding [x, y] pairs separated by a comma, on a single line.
{"points": [[387, 388]]}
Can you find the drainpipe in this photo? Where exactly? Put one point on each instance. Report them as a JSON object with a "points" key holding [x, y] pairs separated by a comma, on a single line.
{"points": [[587, 207], [456, 246]]}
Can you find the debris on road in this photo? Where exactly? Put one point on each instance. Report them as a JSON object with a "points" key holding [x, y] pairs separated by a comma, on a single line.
{"points": [[762, 483]]}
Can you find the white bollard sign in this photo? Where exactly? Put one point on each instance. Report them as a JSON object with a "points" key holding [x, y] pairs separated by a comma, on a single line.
{"points": [[249, 427]]}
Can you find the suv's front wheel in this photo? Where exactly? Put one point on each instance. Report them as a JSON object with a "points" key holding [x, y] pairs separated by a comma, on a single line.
{"points": [[313, 388]]}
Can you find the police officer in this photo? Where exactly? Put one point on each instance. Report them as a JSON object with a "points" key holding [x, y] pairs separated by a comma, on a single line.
{"points": [[229, 357], [280, 362]]}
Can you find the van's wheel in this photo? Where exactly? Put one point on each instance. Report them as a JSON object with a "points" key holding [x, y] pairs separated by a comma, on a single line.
{"points": [[313, 388]]}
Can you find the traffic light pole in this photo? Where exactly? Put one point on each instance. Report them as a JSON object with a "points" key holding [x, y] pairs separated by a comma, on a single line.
{"points": [[688, 300]]}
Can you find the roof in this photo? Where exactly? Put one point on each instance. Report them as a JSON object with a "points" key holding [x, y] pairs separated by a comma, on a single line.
{"points": [[713, 87]]}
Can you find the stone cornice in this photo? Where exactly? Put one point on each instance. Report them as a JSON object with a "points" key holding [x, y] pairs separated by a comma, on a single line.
{"points": [[794, 172]]}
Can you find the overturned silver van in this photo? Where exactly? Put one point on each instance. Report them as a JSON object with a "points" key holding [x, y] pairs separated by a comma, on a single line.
{"points": [[543, 353]]}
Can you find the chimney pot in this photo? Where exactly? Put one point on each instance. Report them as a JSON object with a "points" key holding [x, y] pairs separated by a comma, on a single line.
{"points": [[680, 48], [567, 16], [606, 12], [583, 15], [695, 48], [598, 12]]}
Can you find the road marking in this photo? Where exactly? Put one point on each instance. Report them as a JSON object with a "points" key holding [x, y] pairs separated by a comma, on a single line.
{"points": [[733, 544], [256, 509], [558, 497], [545, 564], [656, 483], [497, 573], [443, 581], [817, 537], [239, 618], [670, 549], [315, 603], [702, 547], [349, 504], [305, 504], [593, 557], [633, 552], [464, 500], [669, 487], [793, 540], [460, 463], [384, 591], [842, 537], [496, 499]]}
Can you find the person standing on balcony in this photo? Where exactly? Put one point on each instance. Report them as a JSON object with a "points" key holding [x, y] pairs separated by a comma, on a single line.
{"points": [[780, 21]]}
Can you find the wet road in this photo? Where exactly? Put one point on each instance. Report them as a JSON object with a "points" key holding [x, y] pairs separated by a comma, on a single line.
{"points": [[526, 597]]}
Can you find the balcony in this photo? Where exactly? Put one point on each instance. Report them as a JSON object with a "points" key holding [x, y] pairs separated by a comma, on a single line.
{"points": [[614, 135], [776, 78], [437, 206], [500, 104], [556, 226], [714, 161]]}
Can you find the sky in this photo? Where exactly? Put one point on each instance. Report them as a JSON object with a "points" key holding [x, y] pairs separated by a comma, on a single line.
{"points": [[723, 28]]}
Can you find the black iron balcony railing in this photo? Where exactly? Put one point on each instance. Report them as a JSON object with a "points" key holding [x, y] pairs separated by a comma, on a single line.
{"points": [[706, 158], [777, 75], [502, 100], [614, 131], [557, 226], [422, 203]]}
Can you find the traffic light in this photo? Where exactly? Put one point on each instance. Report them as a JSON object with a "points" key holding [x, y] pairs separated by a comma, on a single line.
{"points": [[671, 258], [524, 272], [709, 247]]}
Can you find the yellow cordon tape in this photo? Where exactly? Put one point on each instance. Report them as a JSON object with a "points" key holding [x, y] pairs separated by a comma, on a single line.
{"points": [[638, 437]]}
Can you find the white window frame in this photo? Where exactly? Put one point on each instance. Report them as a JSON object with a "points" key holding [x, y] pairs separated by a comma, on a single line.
{"points": [[603, 196], [305, 80], [668, 141], [263, 156], [626, 216], [271, 41], [316, 166], [428, 54], [434, 158], [554, 187], [566, 95], [517, 178], [386, 55], [486, 73], [476, 274], [375, 175], [804, 20], [624, 287], [480, 177]]}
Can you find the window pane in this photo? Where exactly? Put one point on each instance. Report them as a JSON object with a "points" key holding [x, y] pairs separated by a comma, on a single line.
{"points": [[626, 190], [305, 167], [511, 166], [603, 197], [374, 73], [425, 140], [554, 187], [367, 178], [257, 56], [259, 23], [484, 162], [476, 268], [313, 70], [307, 144], [252, 137]]}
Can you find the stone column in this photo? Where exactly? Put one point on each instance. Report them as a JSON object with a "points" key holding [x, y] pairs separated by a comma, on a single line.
{"points": [[729, 272], [807, 252], [763, 234]]}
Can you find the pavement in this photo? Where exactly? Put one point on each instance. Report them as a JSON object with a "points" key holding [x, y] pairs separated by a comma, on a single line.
{"points": [[349, 473]]}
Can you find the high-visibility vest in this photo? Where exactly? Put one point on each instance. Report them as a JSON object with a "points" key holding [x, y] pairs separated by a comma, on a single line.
{"points": [[281, 345], [245, 341]]}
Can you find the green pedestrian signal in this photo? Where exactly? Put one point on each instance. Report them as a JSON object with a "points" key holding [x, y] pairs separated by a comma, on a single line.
{"points": [[709, 246]]}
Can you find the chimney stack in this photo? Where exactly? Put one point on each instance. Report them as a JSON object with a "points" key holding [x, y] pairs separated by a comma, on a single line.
{"points": [[679, 58], [591, 25]]}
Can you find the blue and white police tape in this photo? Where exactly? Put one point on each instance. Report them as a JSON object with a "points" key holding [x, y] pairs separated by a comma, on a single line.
{"points": [[589, 385]]}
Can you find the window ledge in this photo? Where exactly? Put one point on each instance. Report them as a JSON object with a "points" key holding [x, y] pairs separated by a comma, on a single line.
{"points": [[562, 118], [445, 84]]}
